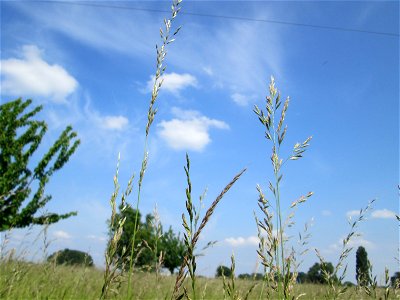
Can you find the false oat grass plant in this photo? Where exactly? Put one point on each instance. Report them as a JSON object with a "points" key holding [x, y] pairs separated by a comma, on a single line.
{"points": [[278, 267], [335, 289], [113, 270], [230, 286], [192, 234], [112, 273], [166, 38]]}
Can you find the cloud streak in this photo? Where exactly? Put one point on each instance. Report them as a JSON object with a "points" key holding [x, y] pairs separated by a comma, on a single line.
{"points": [[240, 68], [352, 213]]}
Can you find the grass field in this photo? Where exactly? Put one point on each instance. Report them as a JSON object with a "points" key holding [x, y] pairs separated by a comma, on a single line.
{"points": [[22, 280]]}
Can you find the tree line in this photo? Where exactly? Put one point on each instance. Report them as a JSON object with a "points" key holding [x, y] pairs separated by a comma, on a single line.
{"points": [[318, 273]]}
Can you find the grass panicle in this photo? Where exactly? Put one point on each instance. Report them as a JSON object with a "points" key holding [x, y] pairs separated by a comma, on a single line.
{"points": [[277, 266], [112, 274], [166, 39], [192, 234], [230, 286], [335, 289]]}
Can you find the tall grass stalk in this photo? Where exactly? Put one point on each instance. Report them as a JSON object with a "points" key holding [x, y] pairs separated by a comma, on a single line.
{"points": [[166, 38], [277, 266], [230, 285], [192, 234], [112, 273], [335, 290]]}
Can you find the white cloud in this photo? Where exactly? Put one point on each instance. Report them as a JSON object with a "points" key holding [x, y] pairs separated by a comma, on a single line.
{"points": [[354, 242], [32, 76], [60, 234], [242, 100], [241, 241], [96, 238], [326, 213], [360, 241], [174, 82], [189, 130], [107, 122], [352, 213], [383, 214], [114, 122]]}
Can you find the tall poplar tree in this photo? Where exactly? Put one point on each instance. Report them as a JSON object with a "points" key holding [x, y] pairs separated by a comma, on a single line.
{"points": [[362, 267]]}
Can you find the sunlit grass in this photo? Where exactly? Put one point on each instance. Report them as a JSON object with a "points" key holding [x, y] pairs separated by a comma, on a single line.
{"points": [[47, 281]]}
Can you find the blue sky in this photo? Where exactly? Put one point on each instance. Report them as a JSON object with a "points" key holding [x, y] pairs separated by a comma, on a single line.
{"points": [[91, 67]]}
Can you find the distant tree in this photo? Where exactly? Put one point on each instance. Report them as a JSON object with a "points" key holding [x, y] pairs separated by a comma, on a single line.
{"points": [[71, 257], [395, 280], [173, 249], [301, 277], [148, 242], [223, 270], [144, 238], [245, 276], [316, 274], [362, 267], [258, 276], [20, 137], [348, 284]]}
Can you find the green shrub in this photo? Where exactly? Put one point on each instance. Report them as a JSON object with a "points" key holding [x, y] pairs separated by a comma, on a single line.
{"points": [[71, 257], [223, 271]]}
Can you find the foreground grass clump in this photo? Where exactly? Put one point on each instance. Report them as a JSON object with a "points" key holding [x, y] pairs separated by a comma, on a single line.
{"points": [[48, 281]]}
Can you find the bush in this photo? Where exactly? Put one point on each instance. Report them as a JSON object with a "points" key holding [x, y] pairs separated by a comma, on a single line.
{"points": [[395, 280], [71, 257], [223, 271]]}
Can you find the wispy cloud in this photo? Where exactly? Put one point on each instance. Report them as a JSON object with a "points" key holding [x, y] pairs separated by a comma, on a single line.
{"points": [[240, 68], [101, 134], [383, 214], [113, 122], [352, 213], [96, 238], [243, 100], [173, 82], [62, 235], [242, 241], [208, 70], [355, 242], [96, 28], [189, 130], [326, 213], [33, 76]]}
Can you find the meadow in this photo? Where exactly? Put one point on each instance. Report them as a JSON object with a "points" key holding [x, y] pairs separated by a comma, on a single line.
{"points": [[120, 279], [22, 280]]}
